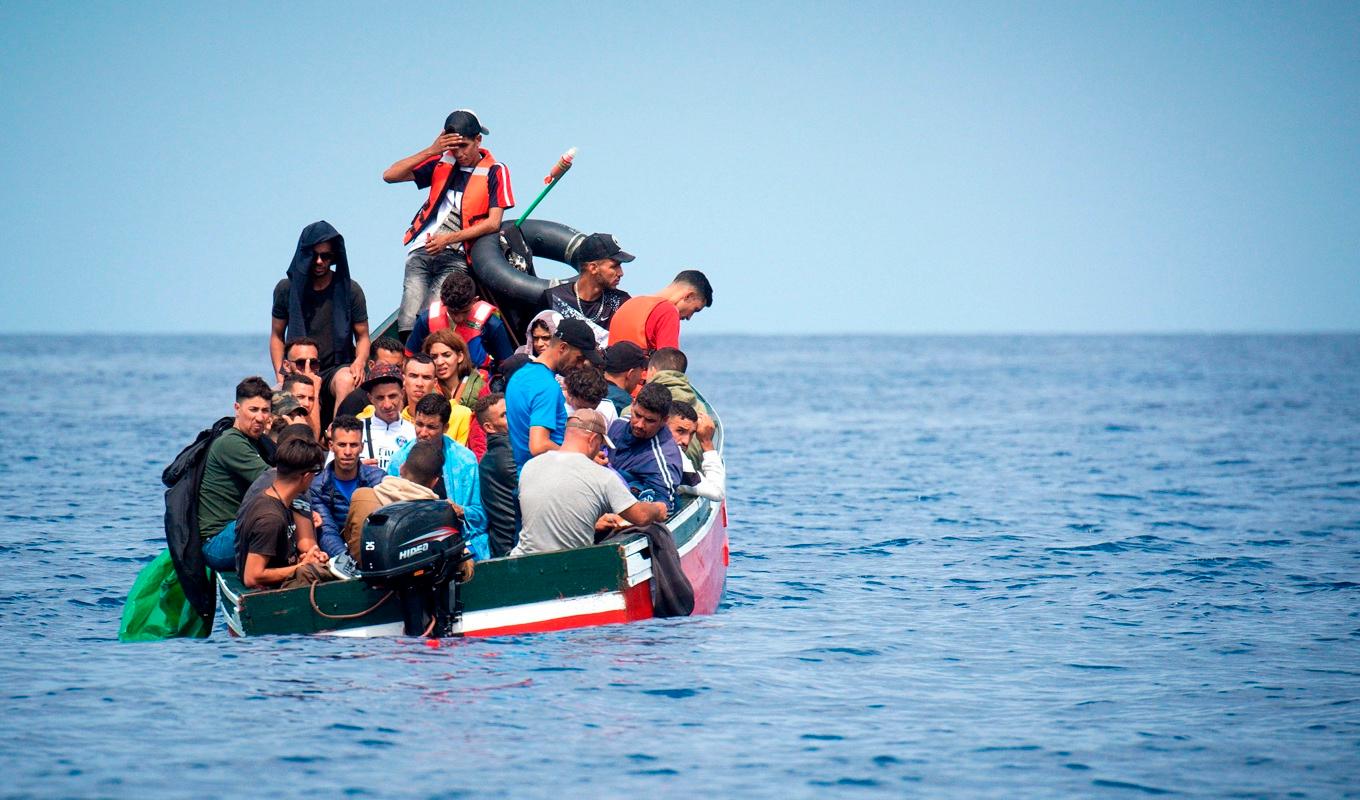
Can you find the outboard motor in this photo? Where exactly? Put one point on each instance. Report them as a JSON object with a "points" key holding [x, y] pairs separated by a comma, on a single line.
{"points": [[415, 548]]}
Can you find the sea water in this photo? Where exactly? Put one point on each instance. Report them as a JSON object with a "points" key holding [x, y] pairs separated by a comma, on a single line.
{"points": [[971, 567]]}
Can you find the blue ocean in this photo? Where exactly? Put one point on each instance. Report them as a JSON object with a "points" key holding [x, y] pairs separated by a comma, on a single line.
{"points": [[960, 567]]}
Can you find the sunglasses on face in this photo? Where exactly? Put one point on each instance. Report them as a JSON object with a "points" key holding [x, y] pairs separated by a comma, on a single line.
{"points": [[327, 258], [303, 363]]}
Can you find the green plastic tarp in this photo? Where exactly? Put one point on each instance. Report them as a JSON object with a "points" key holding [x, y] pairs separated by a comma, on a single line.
{"points": [[156, 607]]}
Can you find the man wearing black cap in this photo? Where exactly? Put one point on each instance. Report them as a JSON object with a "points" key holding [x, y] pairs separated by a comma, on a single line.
{"points": [[623, 366], [535, 408], [468, 194], [594, 296]]}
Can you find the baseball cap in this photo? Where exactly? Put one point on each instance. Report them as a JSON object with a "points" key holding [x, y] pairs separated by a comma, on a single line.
{"points": [[623, 356], [379, 372], [601, 245], [577, 333], [284, 403], [464, 123], [591, 420]]}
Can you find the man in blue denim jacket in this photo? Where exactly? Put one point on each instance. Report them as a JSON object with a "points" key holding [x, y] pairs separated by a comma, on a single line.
{"points": [[332, 489]]}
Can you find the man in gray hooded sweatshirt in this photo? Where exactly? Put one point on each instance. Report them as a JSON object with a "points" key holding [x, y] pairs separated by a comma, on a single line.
{"points": [[318, 300]]}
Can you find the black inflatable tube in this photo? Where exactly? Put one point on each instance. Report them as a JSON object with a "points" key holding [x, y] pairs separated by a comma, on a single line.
{"points": [[546, 239]]}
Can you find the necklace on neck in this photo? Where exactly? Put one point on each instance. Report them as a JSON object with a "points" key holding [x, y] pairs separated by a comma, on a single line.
{"points": [[581, 308]]}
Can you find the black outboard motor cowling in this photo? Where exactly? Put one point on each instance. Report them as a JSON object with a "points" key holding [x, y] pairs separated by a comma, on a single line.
{"points": [[415, 548]]}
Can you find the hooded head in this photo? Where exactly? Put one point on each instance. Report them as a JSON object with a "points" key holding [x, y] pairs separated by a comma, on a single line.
{"points": [[300, 274]]}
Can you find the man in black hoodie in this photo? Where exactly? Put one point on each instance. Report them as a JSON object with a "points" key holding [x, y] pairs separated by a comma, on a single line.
{"points": [[318, 300]]}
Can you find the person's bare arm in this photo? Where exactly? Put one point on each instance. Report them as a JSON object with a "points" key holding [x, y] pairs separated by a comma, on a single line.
{"points": [[306, 534], [641, 513], [258, 576], [540, 440], [276, 329], [404, 170], [362, 345]]}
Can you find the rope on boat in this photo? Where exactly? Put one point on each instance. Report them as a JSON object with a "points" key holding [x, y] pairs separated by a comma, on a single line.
{"points": [[311, 595]]}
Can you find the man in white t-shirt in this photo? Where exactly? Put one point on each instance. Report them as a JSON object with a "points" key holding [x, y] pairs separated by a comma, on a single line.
{"points": [[467, 194], [385, 431], [565, 498]]}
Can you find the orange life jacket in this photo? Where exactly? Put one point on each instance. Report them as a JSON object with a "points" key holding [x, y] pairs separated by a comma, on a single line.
{"points": [[467, 331], [630, 321], [476, 205]]}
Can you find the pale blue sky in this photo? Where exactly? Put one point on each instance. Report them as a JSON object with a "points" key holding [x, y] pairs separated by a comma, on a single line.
{"points": [[869, 167]]}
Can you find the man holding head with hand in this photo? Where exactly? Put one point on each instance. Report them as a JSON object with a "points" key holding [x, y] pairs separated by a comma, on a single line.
{"points": [[469, 191]]}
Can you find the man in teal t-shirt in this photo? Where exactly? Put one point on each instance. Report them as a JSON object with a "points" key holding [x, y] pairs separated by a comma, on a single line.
{"points": [[535, 409], [233, 462]]}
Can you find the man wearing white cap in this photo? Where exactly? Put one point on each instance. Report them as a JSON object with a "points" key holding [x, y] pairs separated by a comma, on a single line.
{"points": [[565, 497]]}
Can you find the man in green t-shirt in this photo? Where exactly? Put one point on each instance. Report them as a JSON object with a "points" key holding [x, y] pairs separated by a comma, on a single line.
{"points": [[234, 461]]}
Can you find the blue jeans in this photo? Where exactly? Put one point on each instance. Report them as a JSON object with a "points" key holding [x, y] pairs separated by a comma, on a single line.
{"points": [[220, 551], [425, 273]]}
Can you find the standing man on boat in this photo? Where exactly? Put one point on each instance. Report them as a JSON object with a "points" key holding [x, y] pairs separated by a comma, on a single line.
{"points": [[318, 300], [594, 296], [468, 194], [535, 408], [653, 322]]}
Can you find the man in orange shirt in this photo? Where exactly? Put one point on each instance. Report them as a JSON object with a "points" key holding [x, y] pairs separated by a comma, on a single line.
{"points": [[653, 322]]}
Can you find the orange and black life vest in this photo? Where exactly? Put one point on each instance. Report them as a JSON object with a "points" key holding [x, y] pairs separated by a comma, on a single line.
{"points": [[630, 321], [476, 205], [470, 329]]}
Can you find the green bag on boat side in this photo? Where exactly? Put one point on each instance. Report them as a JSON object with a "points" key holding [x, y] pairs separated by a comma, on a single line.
{"points": [[156, 607]]}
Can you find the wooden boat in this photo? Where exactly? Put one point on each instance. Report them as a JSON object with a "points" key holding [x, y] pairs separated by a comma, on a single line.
{"points": [[599, 585]]}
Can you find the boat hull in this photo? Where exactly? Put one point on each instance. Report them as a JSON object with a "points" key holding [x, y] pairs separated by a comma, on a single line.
{"points": [[605, 584]]}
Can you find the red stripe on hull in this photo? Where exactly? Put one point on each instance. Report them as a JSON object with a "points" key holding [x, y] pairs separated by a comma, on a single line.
{"points": [[706, 566], [559, 623]]}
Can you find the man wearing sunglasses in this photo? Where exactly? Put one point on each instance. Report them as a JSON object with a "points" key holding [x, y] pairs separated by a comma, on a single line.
{"points": [[468, 192], [318, 300]]}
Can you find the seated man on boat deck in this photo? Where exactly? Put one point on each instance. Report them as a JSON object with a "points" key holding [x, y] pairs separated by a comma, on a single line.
{"points": [[235, 459], [270, 551], [624, 364], [709, 480], [469, 191], [459, 481], [385, 350], [331, 491], [653, 322], [566, 498], [385, 431], [535, 408], [319, 300], [476, 321], [418, 380], [585, 387], [595, 294], [667, 367], [645, 454], [419, 473], [498, 476], [304, 390]]}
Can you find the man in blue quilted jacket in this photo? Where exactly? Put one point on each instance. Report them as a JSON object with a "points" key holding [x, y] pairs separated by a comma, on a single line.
{"points": [[332, 489]]}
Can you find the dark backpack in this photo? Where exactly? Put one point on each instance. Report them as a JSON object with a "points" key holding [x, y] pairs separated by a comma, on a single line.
{"points": [[182, 479]]}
